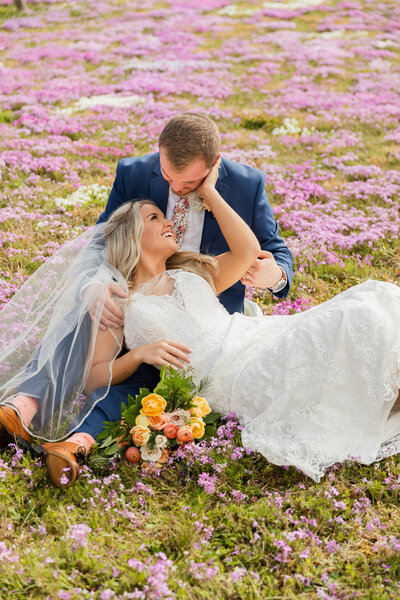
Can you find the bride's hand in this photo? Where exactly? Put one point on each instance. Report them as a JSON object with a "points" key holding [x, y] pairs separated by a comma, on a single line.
{"points": [[165, 352], [210, 181]]}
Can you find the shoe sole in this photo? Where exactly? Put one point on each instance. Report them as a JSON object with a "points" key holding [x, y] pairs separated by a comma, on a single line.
{"points": [[73, 474]]}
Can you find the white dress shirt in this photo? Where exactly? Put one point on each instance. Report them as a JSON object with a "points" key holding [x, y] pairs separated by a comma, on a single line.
{"points": [[194, 231]]}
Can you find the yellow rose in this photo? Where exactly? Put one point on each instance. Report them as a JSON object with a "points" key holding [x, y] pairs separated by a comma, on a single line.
{"points": [[142, 420], [140, 435], [153, 405], [201, 407], [197, 426]]}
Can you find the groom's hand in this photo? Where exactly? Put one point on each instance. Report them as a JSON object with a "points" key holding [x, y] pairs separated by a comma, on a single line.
{"points": [[264, 272], [112, 316]]}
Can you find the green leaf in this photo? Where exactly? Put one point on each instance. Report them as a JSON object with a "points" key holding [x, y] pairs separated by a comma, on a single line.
{"points": [[211, 417], [98, 460], [134, 405], [203, 385], [211, 431], [111, 428], [107, 442], [152, 439], [176, 388], [111, 450], [143, 392], [14, 514], [131, 413]]}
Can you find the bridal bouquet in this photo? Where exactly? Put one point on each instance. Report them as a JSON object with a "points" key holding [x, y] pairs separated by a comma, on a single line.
{"points": [[154, 423]]}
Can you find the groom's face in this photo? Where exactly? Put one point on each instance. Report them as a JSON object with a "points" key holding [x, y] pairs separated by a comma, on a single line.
{"points": [[188, 179]]}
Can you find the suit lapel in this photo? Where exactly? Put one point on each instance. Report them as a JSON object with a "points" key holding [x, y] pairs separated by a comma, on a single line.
{"points": [[159, 189], [211, 226]]}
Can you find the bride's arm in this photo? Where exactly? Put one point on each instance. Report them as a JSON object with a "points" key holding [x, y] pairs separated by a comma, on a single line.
{"points": [[103, 371], [244, 247]]}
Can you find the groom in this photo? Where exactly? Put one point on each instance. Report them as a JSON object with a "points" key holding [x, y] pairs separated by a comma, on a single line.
{"points": [[189, 145]]}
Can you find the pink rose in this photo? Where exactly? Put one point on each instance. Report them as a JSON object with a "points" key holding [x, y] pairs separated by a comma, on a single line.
{"points": [[179, 417]]}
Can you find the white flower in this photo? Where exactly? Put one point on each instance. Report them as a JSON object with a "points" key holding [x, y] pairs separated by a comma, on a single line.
{"points": [[179, 417], [384, 44], [291, 5], [108, 100], [85, 102], [150, 455], [84, 195], [161, 441], [290, 127], [164, 64], [237, 11]]}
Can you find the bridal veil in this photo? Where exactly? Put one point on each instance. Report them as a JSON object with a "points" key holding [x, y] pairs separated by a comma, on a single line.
{"points": [[47, 336]]}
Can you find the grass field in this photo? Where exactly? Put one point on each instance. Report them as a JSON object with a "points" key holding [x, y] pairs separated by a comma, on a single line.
{"points": [[306, 91]]}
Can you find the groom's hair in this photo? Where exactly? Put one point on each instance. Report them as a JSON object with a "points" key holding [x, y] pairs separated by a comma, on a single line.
{"points": [[190, 136]]}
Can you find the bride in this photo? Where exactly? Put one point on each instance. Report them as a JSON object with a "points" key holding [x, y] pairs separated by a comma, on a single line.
{"points": [[309, 389]]}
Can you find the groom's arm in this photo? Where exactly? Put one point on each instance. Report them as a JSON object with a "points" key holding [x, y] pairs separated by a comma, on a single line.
{"points": [[116, 198], [267, 231], [112, 316]]}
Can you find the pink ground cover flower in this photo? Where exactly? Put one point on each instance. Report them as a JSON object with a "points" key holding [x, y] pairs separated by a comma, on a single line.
{"points": [[207, 482], [77, 534]]}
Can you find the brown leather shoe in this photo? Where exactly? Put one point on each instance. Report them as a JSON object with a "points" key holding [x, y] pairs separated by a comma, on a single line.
{"points": [[63, 460], [11, 429]]}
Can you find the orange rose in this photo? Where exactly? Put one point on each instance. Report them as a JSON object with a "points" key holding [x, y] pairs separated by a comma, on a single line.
{"points": [[185, 434], [153, 405], [158, 422], [140, 435]]}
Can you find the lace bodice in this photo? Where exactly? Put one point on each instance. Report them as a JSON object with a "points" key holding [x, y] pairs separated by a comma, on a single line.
{"points": [[186, 311], [310, 389]]}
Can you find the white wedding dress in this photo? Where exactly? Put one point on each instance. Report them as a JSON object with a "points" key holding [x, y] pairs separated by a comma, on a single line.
{"points": [[310, 389]]}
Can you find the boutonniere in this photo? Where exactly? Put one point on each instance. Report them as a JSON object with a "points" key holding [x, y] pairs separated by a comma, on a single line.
{"points": [[200, 204]]}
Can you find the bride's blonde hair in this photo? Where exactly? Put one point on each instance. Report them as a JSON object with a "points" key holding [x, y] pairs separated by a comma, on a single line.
{"points": [[123, 234]]}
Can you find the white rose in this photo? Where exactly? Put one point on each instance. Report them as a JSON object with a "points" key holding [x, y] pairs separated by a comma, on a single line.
{"points": [[161, 441], [179, 417], [150, 455]]}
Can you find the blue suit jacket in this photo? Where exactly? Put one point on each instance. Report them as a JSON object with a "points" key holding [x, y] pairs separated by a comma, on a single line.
{"points": [[241, 186]]}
